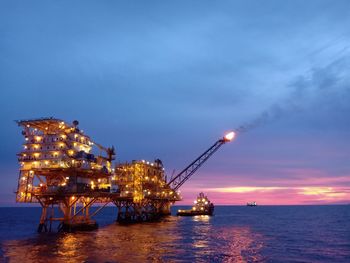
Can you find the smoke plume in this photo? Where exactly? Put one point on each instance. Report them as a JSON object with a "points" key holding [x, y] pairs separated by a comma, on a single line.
{"points": [[322, 88]]}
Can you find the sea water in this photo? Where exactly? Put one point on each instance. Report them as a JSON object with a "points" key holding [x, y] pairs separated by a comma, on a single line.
{"points": [[233, 234]]}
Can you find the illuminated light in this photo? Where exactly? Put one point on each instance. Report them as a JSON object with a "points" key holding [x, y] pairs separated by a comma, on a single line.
{"points": [[67, 178], [73, 197], [229, 136], [36, 146], [149, 192], [36, 154], [24, 155], [146, 178], [147, 162], [151, 164], [27, 139], [46, 162], [38, 138], [126, 192], [171, 192], [25, 147], [193, 208], [73, 161], [203, 200], [75, 144], [75, 135], [202, 208], [70, 152], [195, 201], [206, 203], [46, 128], [28, 125], [23, 178], [29, 185], [99, 180], [41, 185], [63, 184]]}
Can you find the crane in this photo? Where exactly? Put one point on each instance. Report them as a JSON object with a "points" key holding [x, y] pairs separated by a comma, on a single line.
{"points": [[109, 151], [176, 182]]}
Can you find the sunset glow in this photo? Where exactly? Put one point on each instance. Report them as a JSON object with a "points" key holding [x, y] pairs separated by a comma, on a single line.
{"points": [[280, 195]]}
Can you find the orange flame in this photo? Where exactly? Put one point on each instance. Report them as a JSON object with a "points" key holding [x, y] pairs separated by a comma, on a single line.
{"points": [[229, 136]]}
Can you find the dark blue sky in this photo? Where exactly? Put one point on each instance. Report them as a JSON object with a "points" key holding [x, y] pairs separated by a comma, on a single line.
{"points": [[165, 79]]}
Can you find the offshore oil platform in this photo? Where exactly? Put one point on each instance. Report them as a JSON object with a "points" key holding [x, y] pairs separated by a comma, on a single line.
{"points": [[64, 170]]}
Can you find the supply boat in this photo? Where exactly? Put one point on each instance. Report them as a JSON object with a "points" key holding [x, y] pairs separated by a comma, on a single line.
{"points": [[202, 206]]}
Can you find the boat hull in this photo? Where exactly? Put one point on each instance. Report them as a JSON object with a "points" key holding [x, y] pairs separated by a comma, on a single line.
{"points": [[194, 213]]}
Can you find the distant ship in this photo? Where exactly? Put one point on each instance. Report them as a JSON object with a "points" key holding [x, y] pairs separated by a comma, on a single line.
{"points": [[202, 207], [252, 204]]}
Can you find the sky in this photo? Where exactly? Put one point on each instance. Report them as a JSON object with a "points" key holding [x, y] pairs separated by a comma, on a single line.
{"points": [[166, 79]]}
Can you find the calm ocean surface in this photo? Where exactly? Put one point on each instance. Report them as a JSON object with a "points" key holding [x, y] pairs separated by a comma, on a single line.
{"points": [[234, 234]]}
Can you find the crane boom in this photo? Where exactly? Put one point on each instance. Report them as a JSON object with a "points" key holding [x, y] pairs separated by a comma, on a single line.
{"points": [[186, 173]]}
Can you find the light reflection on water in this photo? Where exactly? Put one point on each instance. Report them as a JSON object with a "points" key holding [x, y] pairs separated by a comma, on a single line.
{"points": [[229, 244], [175, 239]]}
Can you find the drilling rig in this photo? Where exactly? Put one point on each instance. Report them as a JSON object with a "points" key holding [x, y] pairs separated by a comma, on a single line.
{"points": [[58, 168]]}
